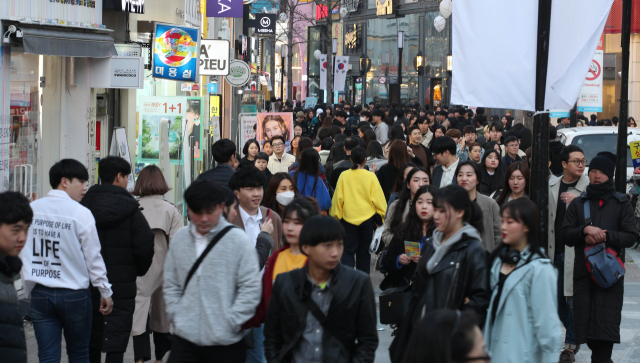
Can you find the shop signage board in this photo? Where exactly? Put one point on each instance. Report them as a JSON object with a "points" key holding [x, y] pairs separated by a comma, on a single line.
{"points": [[214, 57], [224, 8], [130, 6], [214, 104], [85, 14], [590, 99], [213, 88], [265, 24], [247, 120], [559, 113], [183, 115], [185, 87], [175, 52], [117, 72], [311, 102], [120, 147], [128, 50], [239, 73]]}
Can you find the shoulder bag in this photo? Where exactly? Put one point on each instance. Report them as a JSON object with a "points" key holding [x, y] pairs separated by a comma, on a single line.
{"points": [[204, 254]]}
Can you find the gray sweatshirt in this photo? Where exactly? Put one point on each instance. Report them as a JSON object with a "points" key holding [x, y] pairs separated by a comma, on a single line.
{"points": [[222, 297]]}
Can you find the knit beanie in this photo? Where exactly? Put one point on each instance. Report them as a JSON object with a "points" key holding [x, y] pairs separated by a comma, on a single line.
{"points": [[605, 162]]}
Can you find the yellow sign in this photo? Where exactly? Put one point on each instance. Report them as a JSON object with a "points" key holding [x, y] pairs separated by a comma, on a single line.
{"points": [[336, 32], [384, 7], [214, 105], [635, 150]]}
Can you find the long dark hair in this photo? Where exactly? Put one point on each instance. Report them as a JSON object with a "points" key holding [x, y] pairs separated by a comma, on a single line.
{"points": [[524, 169], [524, 211], [396, 133], [397, 187], [369, 136], [434, 128], [442, 336], [374, 150], [269, 199], [411, 229], [398, 155], [458, 199], [309, 164], [404, 197]]}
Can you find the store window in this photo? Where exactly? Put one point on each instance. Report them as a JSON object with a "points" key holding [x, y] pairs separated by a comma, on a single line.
{"points": [[25, 119]]}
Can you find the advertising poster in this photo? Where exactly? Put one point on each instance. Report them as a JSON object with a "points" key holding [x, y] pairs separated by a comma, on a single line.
{"points": [[590, 99], [175, 52], [272, 124], [246, 127], [183, 116], [311, 102]]}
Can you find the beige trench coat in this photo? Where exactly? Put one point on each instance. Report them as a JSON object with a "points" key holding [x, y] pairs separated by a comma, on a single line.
{"points": [[569, 253], [164, 220]]}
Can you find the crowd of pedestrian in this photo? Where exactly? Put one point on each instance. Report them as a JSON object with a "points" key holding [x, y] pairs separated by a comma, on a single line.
{"points": [[271, 262]]}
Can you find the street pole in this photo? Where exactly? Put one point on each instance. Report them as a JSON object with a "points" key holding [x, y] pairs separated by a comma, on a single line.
{"points": [[621, 165], [539, 188], [573, 116]]}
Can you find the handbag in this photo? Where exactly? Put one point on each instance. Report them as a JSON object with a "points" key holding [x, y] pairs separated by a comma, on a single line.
{"points": [[376, 242], [394, 304]]}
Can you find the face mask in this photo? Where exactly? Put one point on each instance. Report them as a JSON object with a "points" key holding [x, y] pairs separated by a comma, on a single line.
{"points": [[285, 198]]}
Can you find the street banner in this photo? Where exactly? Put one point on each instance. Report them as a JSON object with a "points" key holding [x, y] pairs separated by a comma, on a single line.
{"points": [[247, 120], [323, 71], [272, 124], [574, 35], [340, 72], [183, 116], [214, 57], [635, 153], [215, 102], [311, 102], [120, 147], [164, 163], [175, 52], [559, 113], [590, 99], [224, 8]]}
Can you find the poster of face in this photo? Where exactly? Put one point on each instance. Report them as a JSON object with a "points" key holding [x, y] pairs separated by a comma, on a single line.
{"points": [[272, 124], [183, 115]]}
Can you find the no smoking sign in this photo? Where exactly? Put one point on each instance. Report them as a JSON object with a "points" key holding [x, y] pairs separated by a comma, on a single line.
{"points": [[594, 71]]}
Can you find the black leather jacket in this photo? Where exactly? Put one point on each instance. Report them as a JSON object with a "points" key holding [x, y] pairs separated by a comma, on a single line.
{"points": [[352, 313], [467, 262]]}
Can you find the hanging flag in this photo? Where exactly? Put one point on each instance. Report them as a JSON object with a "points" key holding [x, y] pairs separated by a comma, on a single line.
{"points": [[574, 35], [323, 71], [340, 72]]}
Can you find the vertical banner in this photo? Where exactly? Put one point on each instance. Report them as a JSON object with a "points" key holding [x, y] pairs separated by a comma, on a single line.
{"points": [[214, 113], [323, 71], [590, 99], [120, 147], [340, 72], [175, 52], [247, 121], [164, 161], [183, 116], [272, 124]]}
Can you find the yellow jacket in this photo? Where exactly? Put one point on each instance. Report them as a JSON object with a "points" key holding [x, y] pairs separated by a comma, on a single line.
{"points": [[358, 196]]}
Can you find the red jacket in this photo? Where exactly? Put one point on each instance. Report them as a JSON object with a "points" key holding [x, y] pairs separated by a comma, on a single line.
{"points": [[267, 285]]}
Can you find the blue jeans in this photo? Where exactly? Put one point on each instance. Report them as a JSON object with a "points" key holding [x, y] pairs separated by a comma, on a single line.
{"points": [[54, 310], [565, 304], [256, 355]]}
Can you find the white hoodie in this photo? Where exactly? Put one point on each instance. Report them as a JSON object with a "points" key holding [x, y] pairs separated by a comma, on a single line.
{"points": [[63, 249]]}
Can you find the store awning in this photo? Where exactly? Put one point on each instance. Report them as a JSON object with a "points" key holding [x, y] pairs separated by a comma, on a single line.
{"points": [[67, 43]]}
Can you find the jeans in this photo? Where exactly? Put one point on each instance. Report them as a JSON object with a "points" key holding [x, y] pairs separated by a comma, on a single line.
{"points": [[57, 310], [256, 355], [565, 305], [183, 351], [357, 243]]}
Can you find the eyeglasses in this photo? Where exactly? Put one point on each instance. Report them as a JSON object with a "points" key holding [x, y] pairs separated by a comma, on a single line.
{"points": [[277, 145], [579, 162]]}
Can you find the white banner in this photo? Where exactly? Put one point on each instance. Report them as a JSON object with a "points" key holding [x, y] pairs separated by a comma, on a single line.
{"points": [[247, 120], [575, 31], [590, 99], [163, 159], [120, 147], [340, 72], [323, 71]]}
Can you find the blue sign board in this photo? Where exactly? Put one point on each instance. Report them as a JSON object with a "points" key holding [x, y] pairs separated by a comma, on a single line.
{"points": [[213, 88], [559, 113], [259, 6], [175, 52]]}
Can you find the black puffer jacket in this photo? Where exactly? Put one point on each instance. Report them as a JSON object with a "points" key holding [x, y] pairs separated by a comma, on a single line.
{"points": [[467, 261], [13, 347], [127, 249], [352, 313], [597, 312]]}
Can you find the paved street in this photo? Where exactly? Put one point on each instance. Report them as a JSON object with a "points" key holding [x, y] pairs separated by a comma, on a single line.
{"points": [[628, 351]]}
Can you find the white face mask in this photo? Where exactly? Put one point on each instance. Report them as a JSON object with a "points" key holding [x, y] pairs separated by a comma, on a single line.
{"points": [[285, 198]]}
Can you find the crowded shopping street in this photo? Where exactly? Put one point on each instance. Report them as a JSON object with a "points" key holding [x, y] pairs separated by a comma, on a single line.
{"points": [[310, 181]]}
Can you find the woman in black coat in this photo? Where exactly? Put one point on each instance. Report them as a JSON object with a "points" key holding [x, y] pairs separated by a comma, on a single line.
{"points": [[597, 312], [452, 272], [388, 173]]}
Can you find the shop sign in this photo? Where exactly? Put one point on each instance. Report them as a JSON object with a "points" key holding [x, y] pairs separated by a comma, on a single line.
{"points": [[352, 37], [239, 73], [195, 87], [117, 72], [131, 6], [247, 121], [175, 52], [384, 7], [590, 99], [214, 104], [85, 14], [265, 23], [183, 113], [185, 87], [258, 5], [224, 8], [214, 57], [213, 88], [128, 50]]}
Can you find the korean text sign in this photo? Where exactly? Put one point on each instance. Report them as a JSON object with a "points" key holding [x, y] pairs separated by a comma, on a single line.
{"points": [[175, 52], [184, 115]]}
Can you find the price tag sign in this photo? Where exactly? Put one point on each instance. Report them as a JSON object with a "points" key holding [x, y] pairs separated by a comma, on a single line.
{"points": [[635, 153]]}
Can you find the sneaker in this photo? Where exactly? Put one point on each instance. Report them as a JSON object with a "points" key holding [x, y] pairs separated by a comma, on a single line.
{"points": [[567, 356]]}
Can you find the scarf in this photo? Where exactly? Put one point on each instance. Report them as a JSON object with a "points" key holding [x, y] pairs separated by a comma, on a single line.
{"points": [[441, 249], [601, 191]]}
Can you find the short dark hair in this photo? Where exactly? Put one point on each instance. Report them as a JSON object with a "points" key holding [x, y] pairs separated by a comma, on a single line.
{"points": [[378, 113], [222, 150], [247, 177], [67, 168], [262, 156], [366, 114], [399, 113], [594, 117], [326, 144], [204, 194], [110, 167], [497, 125], [553, 133], [510, 139], [469, 130], [339, 137], [567, 150], [357, 109], [278, 137], [341, 114], [442, 144], [351, 143], [420, 120], [324, 133], [320, 229], [245, 149], [414, 127], [14, 208]]}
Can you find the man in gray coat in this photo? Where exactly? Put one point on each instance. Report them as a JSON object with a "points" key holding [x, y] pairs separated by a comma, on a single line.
{"points": [[207, 304]]}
